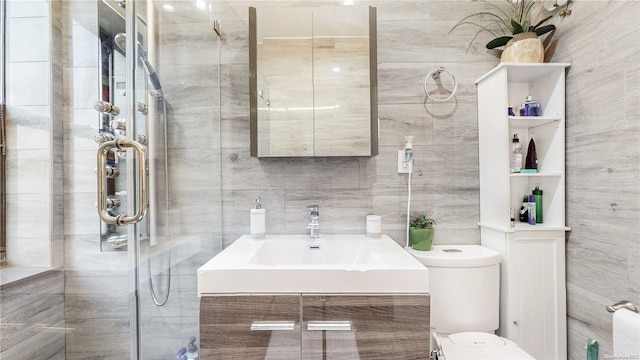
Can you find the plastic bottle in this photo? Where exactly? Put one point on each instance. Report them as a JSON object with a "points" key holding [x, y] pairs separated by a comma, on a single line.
{"points": [[524, 215], [258, 220], [516, 154], [531, 209], [532, 107], [537, 193]]}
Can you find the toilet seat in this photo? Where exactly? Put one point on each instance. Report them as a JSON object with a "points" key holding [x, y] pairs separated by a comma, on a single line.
{"points": [[478, 345]]}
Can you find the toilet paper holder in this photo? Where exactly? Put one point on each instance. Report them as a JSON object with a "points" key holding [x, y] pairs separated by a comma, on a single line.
{"points": [[623, 304]]}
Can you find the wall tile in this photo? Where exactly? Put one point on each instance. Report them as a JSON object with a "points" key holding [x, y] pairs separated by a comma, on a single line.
{"points": [[29, 127], [83, 254], [29, 39], [28, 172], [602, 188], [86, 45], [28, 83], [240, 171], [87, 338], [33, 8], [85, 88]]}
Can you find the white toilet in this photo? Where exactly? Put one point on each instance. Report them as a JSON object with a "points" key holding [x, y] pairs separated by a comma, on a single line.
{"points": [[464, 282]]}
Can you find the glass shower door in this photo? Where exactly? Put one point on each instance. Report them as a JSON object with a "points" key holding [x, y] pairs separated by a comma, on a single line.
{"points": [[174, 77]]}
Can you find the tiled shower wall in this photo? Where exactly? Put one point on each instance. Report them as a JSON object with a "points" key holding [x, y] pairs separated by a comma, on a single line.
{"points": [[34, 137], [31, 288], [603, 155]]}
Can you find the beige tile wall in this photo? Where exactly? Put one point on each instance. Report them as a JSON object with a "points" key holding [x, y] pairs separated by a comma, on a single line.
{"points": [[603, 153]]}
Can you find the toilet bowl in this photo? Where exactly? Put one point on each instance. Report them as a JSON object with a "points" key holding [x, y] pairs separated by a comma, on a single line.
{"points": [[464, 282], [476, 346]]}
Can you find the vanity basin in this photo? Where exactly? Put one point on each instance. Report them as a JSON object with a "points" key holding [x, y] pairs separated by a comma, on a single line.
{"points": [[331, 264]]}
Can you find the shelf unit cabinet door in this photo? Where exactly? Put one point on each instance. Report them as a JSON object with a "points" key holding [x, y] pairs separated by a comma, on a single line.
{"points": [[226, 327], [494, 150], [365, 327], [537, 307]]}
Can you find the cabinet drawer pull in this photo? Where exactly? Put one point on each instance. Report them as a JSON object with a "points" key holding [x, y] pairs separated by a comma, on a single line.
{"points": [[329, 326], [272, 325]]}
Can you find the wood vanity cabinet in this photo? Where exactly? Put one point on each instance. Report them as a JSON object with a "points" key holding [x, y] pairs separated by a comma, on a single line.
{"points": [[226, 324], [319, 327]]}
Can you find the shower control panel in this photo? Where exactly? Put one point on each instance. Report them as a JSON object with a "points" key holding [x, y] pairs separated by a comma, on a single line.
{"points": [[111, 127]]}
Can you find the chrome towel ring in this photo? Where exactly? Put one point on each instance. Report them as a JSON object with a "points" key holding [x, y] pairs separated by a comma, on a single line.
{"points": [[435, 75]]}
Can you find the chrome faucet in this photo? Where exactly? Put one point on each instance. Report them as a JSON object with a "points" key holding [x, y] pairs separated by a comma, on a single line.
{"points": [[313, 226]]}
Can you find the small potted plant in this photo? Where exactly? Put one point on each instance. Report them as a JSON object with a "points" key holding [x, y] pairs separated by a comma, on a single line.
{"points": [[517, 22], [421, 232]]}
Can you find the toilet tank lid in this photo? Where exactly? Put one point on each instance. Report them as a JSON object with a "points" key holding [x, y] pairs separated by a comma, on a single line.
{"points": [[457, 256]]}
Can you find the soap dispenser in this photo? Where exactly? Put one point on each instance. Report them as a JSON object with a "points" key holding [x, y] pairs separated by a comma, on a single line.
{"points": [[408, 152], [257, 220]]}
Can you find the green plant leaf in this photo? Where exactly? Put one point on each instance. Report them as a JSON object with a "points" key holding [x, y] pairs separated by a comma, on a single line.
{"points": [[545, 29], [517, 28], [497, 42], [421, 222], [534, 27]]}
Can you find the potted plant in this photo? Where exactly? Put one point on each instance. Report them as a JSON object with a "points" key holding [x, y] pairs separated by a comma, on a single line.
{"points": [[517, 26], [421, 232]]}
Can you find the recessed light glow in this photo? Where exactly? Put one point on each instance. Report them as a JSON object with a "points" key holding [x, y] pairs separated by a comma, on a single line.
{"points": [[348, 2], [168, 8], [336, 69], [201, 4]]}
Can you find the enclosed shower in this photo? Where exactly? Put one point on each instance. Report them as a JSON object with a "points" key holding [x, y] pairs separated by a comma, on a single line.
{"points": [[147, 151]]}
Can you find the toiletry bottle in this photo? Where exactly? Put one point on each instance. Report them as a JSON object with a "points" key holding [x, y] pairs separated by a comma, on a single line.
{"points": [[532, 158], [516, 154], [532, 107], [524, 214], [531, 209], [521, 110], [512, 216], [537, 193], [258, 220], [192, 349], [510, 111]]}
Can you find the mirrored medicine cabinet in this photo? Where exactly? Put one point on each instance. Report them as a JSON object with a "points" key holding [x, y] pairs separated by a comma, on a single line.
{"points": [[313, 81]]}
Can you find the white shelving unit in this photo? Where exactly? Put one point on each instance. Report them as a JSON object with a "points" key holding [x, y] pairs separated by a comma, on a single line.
{"points": [[533, 292]]}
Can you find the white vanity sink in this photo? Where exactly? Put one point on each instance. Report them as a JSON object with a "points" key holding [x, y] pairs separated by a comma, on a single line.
{"points": [[331, 264]]}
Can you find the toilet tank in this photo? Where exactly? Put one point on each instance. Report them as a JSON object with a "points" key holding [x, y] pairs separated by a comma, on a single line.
{"points": [[464, 282]]}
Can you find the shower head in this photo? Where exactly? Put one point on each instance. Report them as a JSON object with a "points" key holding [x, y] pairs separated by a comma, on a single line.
{"points": [[121, 40]]}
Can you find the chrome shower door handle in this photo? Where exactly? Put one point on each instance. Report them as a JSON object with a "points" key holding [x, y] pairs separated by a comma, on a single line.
{"points": [[103, 150]]}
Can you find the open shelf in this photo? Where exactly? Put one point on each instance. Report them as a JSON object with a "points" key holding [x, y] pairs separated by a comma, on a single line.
{"points": [[540, 174], [519, 122]]}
